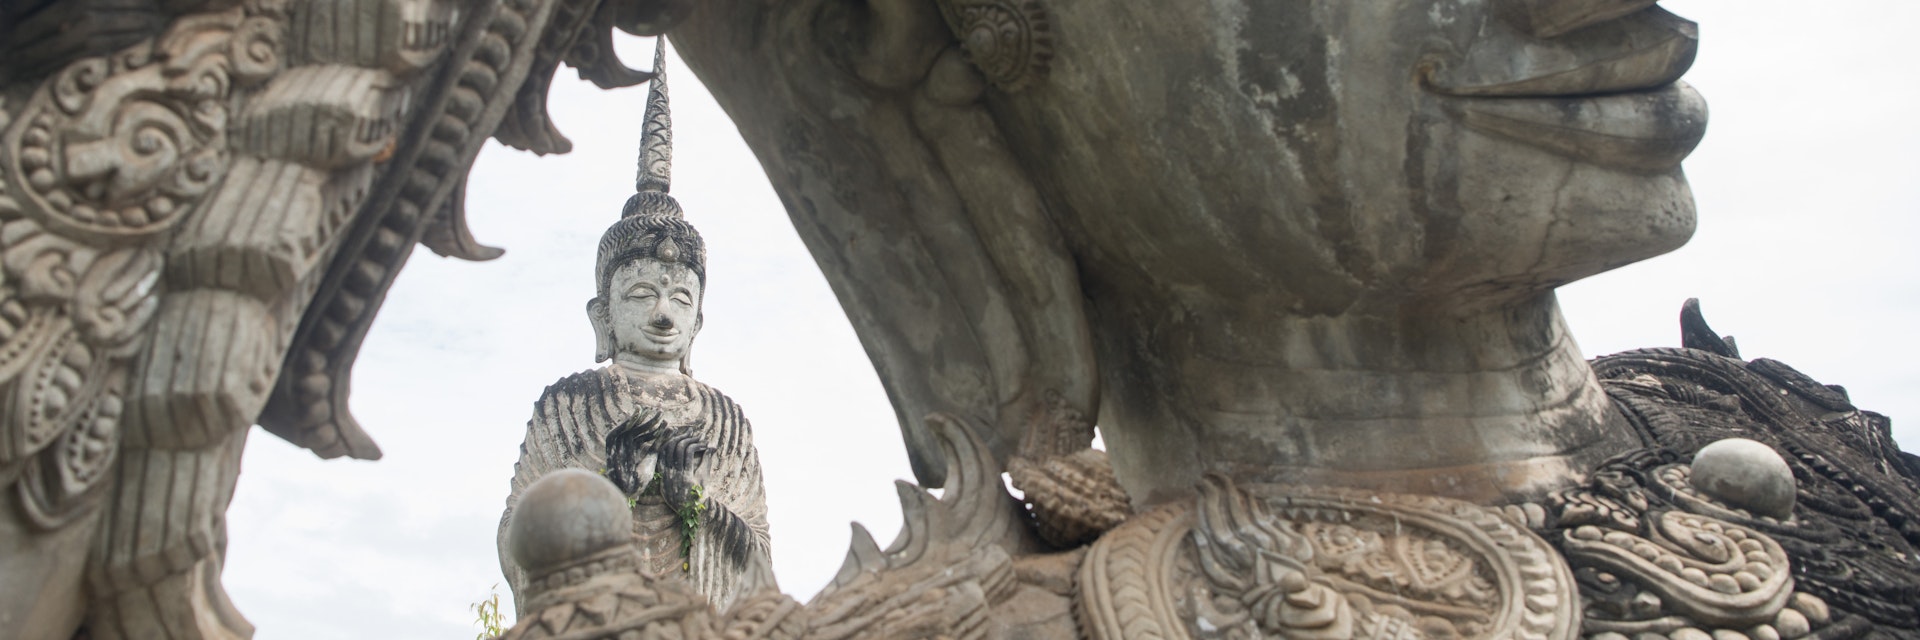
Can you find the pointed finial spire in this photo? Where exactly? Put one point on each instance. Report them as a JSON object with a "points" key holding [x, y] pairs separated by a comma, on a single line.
{"points": [[656, 149], [656, 136]]}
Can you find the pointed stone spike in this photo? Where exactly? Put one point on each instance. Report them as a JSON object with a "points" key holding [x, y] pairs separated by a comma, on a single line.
{"points": [[863, 554], [1695, 334], [978, 504], [918, 511], [448, 235]]}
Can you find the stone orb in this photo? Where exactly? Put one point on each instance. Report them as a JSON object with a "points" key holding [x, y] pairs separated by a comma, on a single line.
{"points": [[565, 516], [1745, 474]]}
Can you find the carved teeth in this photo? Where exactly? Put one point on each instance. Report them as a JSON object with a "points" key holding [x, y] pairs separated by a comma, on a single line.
{"points": [[1551, 18]]}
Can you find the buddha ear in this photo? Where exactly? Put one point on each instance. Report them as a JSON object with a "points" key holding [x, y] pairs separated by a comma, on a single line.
{"points": [[686, 359], [602, 329]]}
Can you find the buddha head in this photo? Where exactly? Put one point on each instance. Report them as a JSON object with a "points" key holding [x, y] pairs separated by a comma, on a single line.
{"points": [[651, 269], [651, 274]]}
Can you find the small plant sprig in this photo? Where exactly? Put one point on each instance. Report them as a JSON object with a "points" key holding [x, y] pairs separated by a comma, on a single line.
{"points": [[490, 619], [689, 515]]}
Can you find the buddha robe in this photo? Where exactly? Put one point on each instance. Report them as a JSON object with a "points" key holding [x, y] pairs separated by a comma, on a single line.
{"points": [[569, 430]]}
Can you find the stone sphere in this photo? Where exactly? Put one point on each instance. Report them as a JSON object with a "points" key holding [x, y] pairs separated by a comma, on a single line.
{"points": [[565, 516], [1745, 474]]}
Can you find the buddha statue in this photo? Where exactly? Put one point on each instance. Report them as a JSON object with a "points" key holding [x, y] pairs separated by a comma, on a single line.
{"points": [[681, 451]]}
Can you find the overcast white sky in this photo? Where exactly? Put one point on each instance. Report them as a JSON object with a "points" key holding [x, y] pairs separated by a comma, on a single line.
{"points": [[1808, 187]]}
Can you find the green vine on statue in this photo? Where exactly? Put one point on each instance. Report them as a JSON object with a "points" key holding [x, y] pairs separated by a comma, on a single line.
{"points": [[689, 516]]}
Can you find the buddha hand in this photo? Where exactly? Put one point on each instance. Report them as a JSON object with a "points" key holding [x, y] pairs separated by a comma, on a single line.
{"points": [[680, 454], [628, 445]]}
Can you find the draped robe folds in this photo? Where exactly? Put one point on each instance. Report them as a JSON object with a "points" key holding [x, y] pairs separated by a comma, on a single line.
{"points": [[569, 430]]}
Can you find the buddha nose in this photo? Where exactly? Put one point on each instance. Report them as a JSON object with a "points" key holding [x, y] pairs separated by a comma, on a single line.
{"points": [[661, 321]]}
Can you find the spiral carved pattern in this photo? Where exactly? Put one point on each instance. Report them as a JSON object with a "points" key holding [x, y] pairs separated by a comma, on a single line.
{"points": [[119, 148], [1312, 561]]}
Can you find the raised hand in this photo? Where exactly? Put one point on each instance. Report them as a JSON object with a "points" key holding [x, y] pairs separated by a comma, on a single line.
{"points": [[628, 445], [680, 452]]}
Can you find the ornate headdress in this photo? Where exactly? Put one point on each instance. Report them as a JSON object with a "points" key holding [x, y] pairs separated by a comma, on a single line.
{"points": [[652, 225]]}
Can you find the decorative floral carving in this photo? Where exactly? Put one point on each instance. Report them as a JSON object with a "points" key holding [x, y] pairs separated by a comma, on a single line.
{"points": [[61, 485], [116, 298], [1715, 572], [1660, 560], [120, 147], [1321, 562], [1070, 487], [1854, 537], [1011, 41], [1074, 498]]}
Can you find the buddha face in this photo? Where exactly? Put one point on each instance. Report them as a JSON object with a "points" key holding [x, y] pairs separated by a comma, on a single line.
{"points": [[653, 309]]}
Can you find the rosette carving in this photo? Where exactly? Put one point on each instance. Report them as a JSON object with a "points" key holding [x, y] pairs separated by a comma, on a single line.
{"points": [[1011, 41]]}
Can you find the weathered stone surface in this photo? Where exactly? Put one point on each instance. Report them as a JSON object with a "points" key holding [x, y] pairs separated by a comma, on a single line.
{"points": [[1851, 539], [202, 203], [584, 577], [1745, 474], [1296, 259], [1635, 551], [1074, 498], [950, 574], [1244, 248], [569, 514]]}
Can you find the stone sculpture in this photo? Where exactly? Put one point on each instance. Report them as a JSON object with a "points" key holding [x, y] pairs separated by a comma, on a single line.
{"points": [[1297, 260], [202, 204], [1636, 550], [1251, 240], [1242, 246], [680, 450]]}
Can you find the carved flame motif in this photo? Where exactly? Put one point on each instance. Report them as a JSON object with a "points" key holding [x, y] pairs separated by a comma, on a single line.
{"points": [[1011, 41]]}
